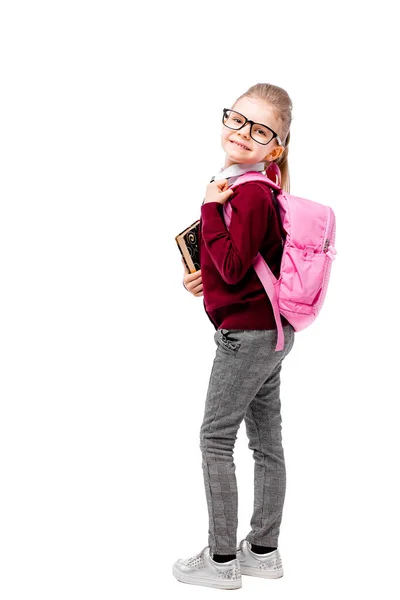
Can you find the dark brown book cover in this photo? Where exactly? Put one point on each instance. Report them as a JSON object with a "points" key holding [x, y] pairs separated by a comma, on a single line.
{"points": [[188, 244]]}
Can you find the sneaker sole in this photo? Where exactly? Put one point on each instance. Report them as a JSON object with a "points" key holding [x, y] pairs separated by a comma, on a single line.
{"points": [[223, 584], [261, 573]]}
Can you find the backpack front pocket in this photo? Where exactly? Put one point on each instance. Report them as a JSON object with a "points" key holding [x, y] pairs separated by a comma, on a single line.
{"points": [[302, 275]]}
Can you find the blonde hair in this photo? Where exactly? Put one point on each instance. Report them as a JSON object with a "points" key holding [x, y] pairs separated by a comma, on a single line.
{"points": [[281, 105]]}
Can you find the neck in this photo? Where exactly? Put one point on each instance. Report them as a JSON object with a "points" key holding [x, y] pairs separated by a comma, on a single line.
{"points": [[228, 162]]}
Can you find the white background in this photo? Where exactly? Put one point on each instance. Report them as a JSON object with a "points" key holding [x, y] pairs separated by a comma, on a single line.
{"points": [[105, 358]]}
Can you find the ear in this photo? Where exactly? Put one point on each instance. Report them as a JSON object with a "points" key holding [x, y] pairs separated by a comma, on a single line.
{"points": [[275, 153]]}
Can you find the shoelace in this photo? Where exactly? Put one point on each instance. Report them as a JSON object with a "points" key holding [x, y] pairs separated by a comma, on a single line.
{"points": [[240, 549], [199, 554]]}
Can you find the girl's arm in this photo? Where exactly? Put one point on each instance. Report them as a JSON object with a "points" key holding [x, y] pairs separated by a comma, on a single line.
{"points": [[232, 251]]}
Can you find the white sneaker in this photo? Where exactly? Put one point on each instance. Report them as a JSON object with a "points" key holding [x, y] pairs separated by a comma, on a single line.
{"points": [[259, 565], [201, 569]]}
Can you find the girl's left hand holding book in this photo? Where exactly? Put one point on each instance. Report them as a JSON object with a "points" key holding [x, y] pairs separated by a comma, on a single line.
{"points": [[192, 282], [218, 191]]}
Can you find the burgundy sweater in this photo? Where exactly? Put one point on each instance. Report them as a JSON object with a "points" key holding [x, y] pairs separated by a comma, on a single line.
{"points": [[234, 297]]}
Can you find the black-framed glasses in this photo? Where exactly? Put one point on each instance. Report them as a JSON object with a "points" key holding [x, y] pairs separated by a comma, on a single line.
{"points": [[262, 134]]}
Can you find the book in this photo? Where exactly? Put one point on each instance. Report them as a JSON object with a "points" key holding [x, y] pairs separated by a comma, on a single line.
{"points": [[188, 244]]}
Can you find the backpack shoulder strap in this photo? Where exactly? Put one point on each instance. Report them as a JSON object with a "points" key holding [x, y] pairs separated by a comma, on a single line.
{"points": [[278, 214]]}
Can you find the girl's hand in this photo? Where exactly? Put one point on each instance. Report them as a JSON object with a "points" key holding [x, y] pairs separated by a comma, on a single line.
{"points": [[218, 191], [192, 281]]}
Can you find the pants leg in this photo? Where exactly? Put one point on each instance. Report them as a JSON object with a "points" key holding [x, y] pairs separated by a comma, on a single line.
{"points": [[244, 361], [263, 426]]}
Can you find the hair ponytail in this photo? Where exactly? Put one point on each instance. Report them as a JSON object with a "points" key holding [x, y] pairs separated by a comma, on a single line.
{"points": [[283, 164]]}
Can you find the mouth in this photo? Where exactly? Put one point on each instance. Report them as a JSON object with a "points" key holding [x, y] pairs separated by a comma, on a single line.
{"points": [[240, 145]]}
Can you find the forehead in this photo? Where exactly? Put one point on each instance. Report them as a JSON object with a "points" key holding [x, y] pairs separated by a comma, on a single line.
{"points": [[257, 110]]}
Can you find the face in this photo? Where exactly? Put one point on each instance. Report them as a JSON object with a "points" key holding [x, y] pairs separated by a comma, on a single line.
{"points": [[260, 112]]}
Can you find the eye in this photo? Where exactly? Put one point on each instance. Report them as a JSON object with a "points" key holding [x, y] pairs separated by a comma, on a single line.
{"points": [[261, 131]]}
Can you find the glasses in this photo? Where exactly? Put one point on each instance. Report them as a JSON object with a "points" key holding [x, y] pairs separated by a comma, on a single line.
{"points": [[262, 134]]}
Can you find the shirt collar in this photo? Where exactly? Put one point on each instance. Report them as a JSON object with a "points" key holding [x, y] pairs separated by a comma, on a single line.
{"points": [[234, 171]]}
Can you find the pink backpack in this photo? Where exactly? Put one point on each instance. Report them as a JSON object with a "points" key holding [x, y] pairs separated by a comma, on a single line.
{"points": [[308, 252]]}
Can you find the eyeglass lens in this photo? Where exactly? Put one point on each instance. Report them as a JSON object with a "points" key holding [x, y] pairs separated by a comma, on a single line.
{"points": [[235, 120]]}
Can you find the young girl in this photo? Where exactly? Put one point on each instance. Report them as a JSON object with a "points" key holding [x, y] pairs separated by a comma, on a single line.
{"points": [[245, 377]]}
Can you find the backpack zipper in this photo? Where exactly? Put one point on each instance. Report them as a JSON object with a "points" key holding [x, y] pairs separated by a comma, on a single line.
{"points": [[328, 222], [328, 267]]}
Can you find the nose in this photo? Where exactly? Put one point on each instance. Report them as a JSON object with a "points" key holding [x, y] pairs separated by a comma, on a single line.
{"points": [[245, 129]]}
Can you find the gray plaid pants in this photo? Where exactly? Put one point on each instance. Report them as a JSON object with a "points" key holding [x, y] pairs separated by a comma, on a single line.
{"points": [[244, 384]]}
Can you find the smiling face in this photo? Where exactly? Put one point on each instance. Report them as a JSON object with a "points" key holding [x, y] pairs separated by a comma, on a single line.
{"points": [[237, 144]]}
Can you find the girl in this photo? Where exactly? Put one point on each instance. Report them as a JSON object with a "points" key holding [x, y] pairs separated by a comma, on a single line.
{"points": [[245, 377]]}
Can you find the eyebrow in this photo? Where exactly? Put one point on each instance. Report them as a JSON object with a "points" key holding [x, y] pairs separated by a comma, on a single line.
{"points": [[256, 122]]}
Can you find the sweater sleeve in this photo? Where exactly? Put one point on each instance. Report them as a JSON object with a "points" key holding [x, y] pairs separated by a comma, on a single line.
{"points": [[232, 251]]}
